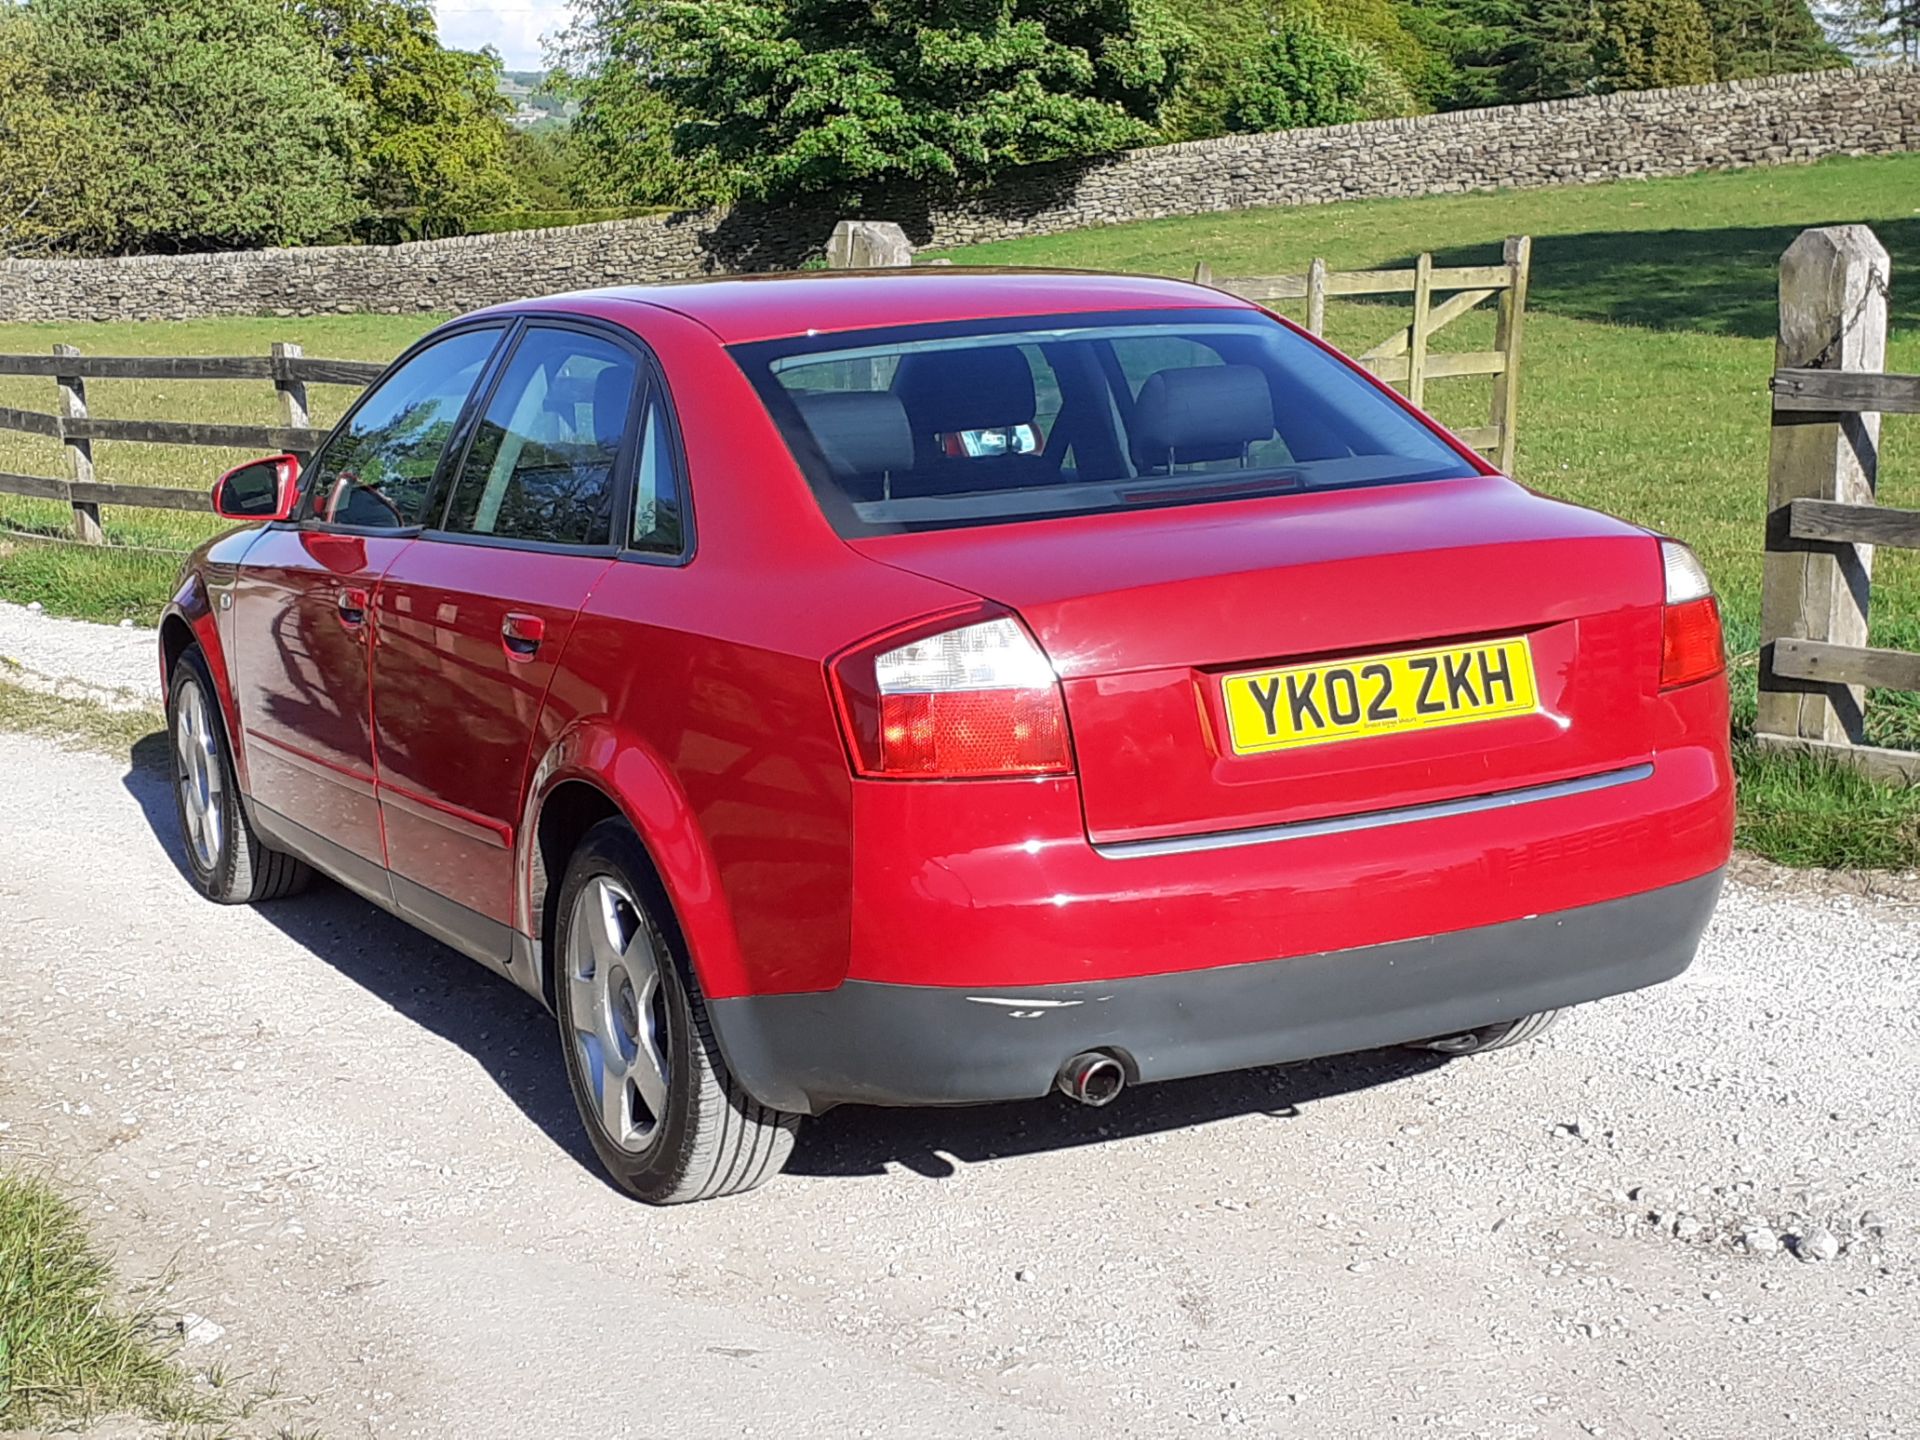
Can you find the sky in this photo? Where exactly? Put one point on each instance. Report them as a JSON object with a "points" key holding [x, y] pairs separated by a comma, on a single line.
{"points": [[513, 27]]}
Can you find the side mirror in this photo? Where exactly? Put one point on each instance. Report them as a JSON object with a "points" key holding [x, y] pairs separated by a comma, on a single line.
{"points": [[264, 490]]}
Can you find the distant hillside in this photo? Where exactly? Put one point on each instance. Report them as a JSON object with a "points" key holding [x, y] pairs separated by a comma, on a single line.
{"points": [[533, 105]]}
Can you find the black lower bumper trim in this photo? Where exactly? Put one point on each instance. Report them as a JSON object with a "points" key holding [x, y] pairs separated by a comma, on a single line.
{"points": [[876, 1044]]}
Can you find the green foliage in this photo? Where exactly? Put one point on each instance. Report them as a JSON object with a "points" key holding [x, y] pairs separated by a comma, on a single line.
{"points": [[48, 153], [833, 99], [1303, 74], [1875, 29], [622, 141], [1377, 25], [1240, 64], [201, 123], [437, 141], [1646, 44], [1767, 37], [541, 162], [1499, 52]]}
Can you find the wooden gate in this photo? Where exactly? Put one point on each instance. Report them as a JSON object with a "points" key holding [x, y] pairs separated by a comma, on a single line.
{"points": [[1403, 358]]}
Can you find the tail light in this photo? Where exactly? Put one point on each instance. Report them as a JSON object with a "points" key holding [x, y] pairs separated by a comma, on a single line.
{"points": [[1690, 645], [975, 700]]}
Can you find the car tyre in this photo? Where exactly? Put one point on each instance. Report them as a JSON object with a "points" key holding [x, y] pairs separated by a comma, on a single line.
{"points": [[664, 1115], [227, 860], [1493, 1037]]}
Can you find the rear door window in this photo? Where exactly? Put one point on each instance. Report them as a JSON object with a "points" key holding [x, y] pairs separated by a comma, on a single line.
{"points": [[543, 459]]}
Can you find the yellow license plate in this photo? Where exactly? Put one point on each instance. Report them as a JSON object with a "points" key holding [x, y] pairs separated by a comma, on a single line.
{"points": [[1378, 695]]}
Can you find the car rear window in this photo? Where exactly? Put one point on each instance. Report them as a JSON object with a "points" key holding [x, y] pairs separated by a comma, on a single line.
{"points": [[984, 422]]}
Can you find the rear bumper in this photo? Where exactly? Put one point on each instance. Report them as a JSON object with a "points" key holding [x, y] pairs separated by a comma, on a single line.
{"points": [[892, 1044]]}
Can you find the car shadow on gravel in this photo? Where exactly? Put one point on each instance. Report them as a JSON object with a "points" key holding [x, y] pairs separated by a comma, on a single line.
{"points": [[500, 1026], [859, 1140], [511, 1038]]}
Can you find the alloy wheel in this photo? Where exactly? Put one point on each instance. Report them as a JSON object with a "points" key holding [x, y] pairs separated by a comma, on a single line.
{"points": [[618, 1009], [201, 780]]}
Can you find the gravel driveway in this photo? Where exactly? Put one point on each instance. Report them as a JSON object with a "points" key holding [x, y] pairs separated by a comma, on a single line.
{"points": [[357, 1152], [115, 666]]}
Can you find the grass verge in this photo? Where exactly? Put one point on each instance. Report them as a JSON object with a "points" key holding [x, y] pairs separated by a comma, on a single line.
{"points": [[123, 734], [68, 1351]]}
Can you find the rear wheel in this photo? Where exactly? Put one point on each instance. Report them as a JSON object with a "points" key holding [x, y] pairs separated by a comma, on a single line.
{"points": [[665, 1117], [1493, 1037], [227, 860]]}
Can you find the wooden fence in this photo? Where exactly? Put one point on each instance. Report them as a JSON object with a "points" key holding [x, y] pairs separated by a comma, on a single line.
{"points": [[1403, 359], [1822, 519], [287, 368]]}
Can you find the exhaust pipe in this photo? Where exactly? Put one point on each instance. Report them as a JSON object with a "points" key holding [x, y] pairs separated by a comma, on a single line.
{"points": [[1092, 1077]]}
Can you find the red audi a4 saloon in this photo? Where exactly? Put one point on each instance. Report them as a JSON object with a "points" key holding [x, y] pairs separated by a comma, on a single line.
{"points": [[938, 686]]}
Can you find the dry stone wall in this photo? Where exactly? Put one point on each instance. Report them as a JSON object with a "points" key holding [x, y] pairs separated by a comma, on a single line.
{"points": [[1778, 120]]}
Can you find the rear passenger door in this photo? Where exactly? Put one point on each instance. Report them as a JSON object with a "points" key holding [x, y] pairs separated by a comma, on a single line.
{"points": [[474, 617]]}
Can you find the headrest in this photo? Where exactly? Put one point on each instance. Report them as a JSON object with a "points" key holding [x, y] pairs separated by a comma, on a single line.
{"points": [[1200, 412], [984, 388], [860, 432], [612, 396]]}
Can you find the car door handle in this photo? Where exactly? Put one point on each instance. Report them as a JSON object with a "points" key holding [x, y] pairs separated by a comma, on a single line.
{"points": [[521, 635], [352, 608]]}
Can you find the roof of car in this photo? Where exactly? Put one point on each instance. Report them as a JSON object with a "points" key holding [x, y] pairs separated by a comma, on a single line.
{"points": [[766, 307]]}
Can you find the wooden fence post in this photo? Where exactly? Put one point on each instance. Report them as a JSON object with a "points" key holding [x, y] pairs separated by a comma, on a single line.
{"points": [[73, 406], [293, 393], [1317, 296], [1833, 316], [1417, 333], [1511, 319], [1202, 273]]}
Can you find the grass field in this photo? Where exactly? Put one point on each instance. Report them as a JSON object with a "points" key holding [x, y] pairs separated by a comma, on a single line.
{"points": [[1649, 346], [133, 576]]}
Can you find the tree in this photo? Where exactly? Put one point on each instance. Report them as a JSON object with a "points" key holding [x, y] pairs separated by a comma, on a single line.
{"points": [[1231, 35], [1647, 44], [833, 99], [437, 138], [1304, 74], [210, 123], [49, 183], [1767, 37], [1504, 52], [623, 138], [540, 160]]}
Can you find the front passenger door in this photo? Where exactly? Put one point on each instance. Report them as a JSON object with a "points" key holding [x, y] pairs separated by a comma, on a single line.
{"points": [[303, 608]]}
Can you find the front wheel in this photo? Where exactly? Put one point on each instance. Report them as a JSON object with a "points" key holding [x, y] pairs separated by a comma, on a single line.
{"points": [[665, 1117], [227, 860]]}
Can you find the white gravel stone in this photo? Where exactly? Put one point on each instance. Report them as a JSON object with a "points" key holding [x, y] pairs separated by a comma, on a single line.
{"points": [[1760, 1240], [199, 1330], [1818, 1245]]}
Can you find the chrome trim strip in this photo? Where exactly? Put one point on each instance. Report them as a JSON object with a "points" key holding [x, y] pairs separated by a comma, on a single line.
{"points": [[1372, 819]]}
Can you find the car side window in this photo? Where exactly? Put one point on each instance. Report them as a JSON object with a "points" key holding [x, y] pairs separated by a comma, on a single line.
{"points": [[377, 471], [659, 498], [542, 462]]}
